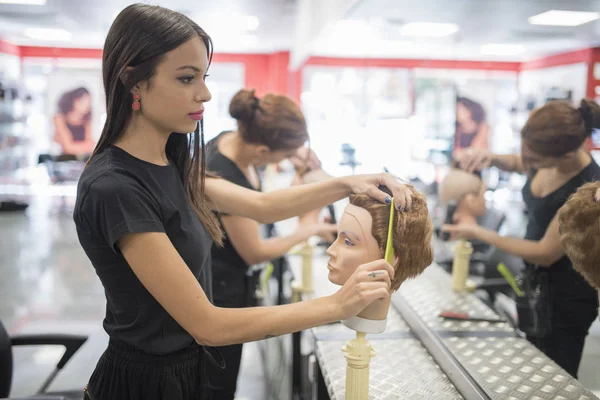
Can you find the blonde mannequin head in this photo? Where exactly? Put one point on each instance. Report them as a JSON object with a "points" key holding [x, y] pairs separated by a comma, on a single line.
{"points": [[362, 237], [579, 227], [464, 189]]}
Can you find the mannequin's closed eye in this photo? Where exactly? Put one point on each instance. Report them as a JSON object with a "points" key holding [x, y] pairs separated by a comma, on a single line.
{"points": [[347, 241]]}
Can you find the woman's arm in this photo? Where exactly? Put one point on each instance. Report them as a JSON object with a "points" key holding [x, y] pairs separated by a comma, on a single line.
{"points": [[165, 275], [544, 252], [278, 205], [480, 141], [245, 237], [87, 146], [508, 162], [472, 159], [64, 137]]}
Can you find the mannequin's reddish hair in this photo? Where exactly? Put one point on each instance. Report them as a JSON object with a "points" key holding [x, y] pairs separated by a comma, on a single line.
{"points": [[579, 227]]}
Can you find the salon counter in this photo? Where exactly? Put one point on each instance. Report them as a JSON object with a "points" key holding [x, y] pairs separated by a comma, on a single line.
{"points": [[422, 356]]}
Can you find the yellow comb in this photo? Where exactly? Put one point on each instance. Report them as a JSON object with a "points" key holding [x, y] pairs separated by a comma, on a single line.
{"points": [[389, 248]]}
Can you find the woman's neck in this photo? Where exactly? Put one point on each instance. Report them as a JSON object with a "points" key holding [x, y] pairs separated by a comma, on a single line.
{"points": [[232, 146], [145, 141], [574, 164]]}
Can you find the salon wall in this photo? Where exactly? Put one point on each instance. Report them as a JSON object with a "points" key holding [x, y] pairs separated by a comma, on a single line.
{"points": [[10, 62]]}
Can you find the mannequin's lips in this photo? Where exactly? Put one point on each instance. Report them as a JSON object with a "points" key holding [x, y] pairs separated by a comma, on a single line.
{"points": [[329, 267]]}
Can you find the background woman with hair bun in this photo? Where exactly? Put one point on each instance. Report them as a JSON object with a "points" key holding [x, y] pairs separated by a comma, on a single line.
{"points": [[270, 129], [557, 164]]}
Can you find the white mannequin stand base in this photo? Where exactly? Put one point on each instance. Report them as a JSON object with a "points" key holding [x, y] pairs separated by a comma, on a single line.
{"points": [[370, 326]]}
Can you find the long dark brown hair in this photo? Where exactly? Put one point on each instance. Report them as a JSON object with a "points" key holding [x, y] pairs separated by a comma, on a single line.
{"points": [[139, 38], [67, 100]]}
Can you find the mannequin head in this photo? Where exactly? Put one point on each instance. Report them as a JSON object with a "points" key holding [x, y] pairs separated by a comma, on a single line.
{"points": [[466, 190], [362, 236], [579, 227]]}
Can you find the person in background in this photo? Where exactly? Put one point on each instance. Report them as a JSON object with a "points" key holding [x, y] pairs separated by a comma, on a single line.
{"points": [[270, 129], [557, 164], [472, 130], [73, 123]]}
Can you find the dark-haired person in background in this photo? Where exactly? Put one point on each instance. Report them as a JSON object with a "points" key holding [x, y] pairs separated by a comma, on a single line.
{"points": [[472, 130], [73, 122], [144, 217], [270, 129], [557, 164]]}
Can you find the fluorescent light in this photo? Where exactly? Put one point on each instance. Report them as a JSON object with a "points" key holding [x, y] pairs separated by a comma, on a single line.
{"points": [[26, 2], [48, 34], [498, 49], [428, 29], [563, 18]]}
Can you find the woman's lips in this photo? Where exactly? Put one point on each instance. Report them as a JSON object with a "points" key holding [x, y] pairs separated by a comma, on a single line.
{"points": [[196, 115]]}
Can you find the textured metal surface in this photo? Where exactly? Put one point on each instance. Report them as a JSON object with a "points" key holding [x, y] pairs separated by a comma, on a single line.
{"points": [[402, 369], [395, 327], [513, 369], [431, 293]]}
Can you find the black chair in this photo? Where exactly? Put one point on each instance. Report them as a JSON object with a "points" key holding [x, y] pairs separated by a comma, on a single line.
{"points": [[72, 343]]}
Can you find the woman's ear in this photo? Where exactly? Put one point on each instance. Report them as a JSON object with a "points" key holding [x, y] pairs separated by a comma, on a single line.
{"points": [[126, 75]]}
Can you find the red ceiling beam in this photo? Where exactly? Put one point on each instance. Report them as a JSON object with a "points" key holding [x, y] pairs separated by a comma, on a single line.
{"points": [[414, 63], [9, 48], [571, 57], [59, 52]]}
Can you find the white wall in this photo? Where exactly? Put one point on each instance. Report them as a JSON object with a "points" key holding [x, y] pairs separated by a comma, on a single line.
{"points": [[10, 67], [537, 83]]}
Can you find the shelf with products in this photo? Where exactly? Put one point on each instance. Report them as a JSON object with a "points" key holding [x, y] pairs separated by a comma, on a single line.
{"points": [[15, 146]]}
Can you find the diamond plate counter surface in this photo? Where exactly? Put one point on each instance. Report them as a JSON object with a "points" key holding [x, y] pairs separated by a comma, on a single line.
{"points": [[431, 292], [514, 369], [402, 369], [395, 327]]}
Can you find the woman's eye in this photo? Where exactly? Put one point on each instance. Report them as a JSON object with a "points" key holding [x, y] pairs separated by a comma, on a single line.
{"points": [[348, 242], [186, 79]]}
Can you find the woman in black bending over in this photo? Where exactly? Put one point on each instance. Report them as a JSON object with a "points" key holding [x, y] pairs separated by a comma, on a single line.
{"points": [[554, 157], [144, 216], [270, 129]]}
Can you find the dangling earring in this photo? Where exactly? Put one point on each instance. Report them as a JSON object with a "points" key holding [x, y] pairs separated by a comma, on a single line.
{"points": [[136, 102]]}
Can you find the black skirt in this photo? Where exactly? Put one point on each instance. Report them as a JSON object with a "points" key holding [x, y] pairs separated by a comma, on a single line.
{"points": [[126, 373]]}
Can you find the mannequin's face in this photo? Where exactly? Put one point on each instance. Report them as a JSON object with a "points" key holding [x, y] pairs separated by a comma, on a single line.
{"points": [[355, 245], [475, 202]]}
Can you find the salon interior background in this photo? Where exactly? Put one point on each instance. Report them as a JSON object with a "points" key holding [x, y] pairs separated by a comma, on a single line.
{"points": [[364, 71]]}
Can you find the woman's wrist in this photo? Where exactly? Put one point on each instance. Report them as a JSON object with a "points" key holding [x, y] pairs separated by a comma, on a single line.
{"points": [[347, 183], [333, 309]]}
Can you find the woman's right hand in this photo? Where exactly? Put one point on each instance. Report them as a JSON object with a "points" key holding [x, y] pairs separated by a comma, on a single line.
{"points": [[472, 160], [370, 282]]}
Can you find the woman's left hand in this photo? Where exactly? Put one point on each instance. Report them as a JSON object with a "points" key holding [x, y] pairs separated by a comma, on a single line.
{"points": [[369, 184], [461, 231]]}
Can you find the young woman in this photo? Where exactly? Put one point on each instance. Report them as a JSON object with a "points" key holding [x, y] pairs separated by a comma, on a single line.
{"points": [[144, 216], [73, 122], [270, 129], [553, 155]]}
